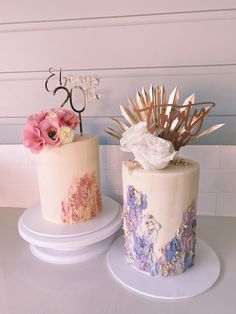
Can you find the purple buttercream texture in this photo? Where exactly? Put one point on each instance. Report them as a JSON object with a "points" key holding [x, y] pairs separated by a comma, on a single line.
{"points": [[175, 257]]}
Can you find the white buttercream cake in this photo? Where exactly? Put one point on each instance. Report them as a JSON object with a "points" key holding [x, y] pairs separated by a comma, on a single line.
{"points": [[67, 166], [159, 217], [160, 191], [68, 177]]}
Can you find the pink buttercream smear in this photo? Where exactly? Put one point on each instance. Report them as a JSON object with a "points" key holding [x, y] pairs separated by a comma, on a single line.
{"points": [[83, 201]]}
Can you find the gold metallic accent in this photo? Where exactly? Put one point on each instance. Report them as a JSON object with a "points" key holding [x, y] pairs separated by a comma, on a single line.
{"points": [[86, 84], [180, 124], [132, 165], [67, 94], [51, 75], [180, 162]]}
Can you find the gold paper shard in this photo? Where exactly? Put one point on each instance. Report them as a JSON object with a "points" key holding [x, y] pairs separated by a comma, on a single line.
{"points": [[120, 124], [180, 124]]}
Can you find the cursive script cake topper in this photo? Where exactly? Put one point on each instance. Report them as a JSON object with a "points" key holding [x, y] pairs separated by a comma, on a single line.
{"points": [[180, 124], [84, 85]]}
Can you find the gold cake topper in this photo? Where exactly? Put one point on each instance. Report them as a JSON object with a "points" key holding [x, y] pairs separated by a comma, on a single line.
{"points": [[180, 124], [86, 85]]}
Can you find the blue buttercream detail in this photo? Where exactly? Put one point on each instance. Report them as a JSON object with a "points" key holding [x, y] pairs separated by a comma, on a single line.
{"points": [[177, 255], [136, 201]]}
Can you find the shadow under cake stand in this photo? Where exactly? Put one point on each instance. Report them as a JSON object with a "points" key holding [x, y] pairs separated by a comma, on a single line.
{"points": [[194, 281], [65, 243]]}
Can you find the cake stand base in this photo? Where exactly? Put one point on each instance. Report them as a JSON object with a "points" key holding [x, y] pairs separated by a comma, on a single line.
{"points": [[195, 281], [70, 257], [65, 243]]}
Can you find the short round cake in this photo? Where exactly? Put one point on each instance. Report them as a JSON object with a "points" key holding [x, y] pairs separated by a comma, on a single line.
{"points": [[159, 216], [68, 177]]}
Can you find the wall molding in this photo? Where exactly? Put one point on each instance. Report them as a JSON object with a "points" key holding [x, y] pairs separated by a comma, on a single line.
{"points": [[123, 20], [130, 44], [24, 94], [110, 72]]}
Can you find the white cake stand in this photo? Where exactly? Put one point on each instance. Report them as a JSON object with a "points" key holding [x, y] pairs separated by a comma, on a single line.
{"points": [[65, 243], [195, 281]]}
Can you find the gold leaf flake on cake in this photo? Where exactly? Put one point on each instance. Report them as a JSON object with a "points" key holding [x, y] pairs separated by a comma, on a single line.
{"points": [[132, 165], [180, 162], [83, 201]]}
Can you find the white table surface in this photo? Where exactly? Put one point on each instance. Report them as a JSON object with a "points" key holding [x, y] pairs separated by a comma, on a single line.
{"points": [[29, 286]]}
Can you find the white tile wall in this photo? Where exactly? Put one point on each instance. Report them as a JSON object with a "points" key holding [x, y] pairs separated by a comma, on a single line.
{"points": [[217, 190], [226, 204], [227, 158], [206, 204], [207, 156]]}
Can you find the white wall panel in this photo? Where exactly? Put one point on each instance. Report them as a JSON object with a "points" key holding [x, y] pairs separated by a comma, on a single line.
{"points": [[31, 10], [129, 43], [171, 43], [23, 94]]}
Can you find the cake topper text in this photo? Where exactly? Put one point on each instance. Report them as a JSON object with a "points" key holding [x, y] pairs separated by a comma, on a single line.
{"points": [[84, 85], [180, 124], [187, 117]]}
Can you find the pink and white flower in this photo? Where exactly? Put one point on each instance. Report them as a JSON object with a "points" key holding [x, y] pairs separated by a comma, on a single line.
{"points": [[67, 118], [50, 127], [33, 139], [37, 118]]}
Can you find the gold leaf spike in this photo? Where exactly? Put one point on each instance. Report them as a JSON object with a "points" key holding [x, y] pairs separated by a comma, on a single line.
{"points": [[190, 99], [146, 97], [157, 95], [163, 96], [158, 104], [120, 124], [141, 100], [152, 93], [163, 100], [135, 113], [113, 133], [180, 124], [148, 103], [127, 114], [173, 99], [208, 131], [141, 105], [174, 96], [135, 109], [154, 100]]}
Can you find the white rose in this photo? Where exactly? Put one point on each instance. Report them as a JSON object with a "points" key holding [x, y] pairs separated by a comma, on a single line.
{"points": [[150, 151], [133, 136], [66, 135]]}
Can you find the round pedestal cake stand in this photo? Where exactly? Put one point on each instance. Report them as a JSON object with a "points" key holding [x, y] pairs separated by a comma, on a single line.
{"points": [[66, 243], [194, 281]]}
